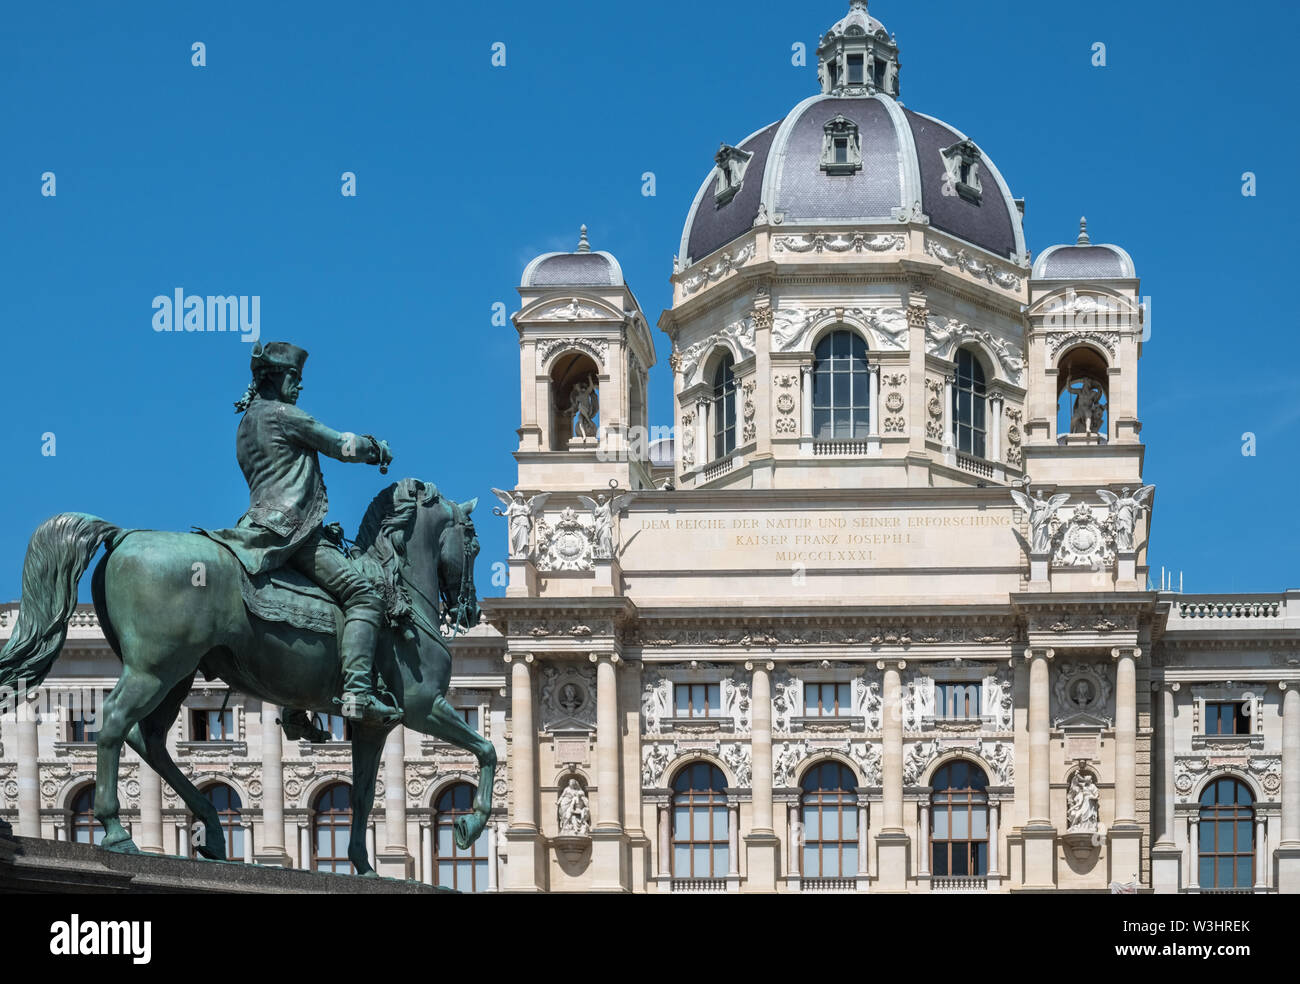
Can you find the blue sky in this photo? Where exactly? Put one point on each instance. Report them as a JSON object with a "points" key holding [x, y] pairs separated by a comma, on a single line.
{"points": [[226, 180]]}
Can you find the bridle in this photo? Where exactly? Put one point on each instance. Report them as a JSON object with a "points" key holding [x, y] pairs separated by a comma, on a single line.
{"points": [[453, 611]]}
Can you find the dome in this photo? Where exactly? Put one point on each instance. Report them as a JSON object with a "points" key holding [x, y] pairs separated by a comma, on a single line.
{"points": [[854, 154], [1084, 261], [581, 268]]}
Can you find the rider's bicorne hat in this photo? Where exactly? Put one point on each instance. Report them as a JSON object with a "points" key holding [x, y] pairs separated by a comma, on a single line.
{"points": [[278, 355]]}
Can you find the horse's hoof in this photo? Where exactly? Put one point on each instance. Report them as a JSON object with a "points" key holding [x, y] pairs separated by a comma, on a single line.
{"points": [[120, 845], [466, 830]]}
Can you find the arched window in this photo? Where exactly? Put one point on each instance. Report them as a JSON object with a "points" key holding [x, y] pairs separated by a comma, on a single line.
{"points": [[700, 822], [228, 805], [85, 828], [969, 406], [463, 870], [841, 388], [959, 821], [724, 407], [1227, 835], [331, 828], [829, 811]]}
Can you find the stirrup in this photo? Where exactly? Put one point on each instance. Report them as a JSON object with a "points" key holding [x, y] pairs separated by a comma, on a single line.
{"points": [[369, 708]]}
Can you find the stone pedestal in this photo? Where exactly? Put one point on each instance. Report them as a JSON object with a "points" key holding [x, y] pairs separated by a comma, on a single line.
{"points": [[523, 578], [1040, 856], [609, 577], [892, 850], [1125, 852], [1039, 579], [1126, 571], [609, 860], [1166, 865], [762, 855], [395, 864], [524, 869], [1288, 869]]}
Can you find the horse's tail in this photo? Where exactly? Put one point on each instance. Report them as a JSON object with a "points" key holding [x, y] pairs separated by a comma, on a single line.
{"points": [[57, 556]]}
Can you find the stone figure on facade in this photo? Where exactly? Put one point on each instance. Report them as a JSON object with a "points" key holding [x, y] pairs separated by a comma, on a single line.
{"points": [[1082, 803], [584, 404], [1040, 512], [520, 514], [1124, 511], [603, 510], [574, 811], [654, 760], [919, 755], [1087, 413], [656, 701], [289, 612]]}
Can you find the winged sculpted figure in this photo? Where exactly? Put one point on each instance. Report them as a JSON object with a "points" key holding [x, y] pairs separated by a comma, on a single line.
{"points": [[1040, 512], [603, 510], [520, 514], [1124, 510]]}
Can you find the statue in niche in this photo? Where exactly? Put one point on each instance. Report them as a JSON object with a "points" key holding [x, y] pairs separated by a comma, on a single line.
{"points": [[1086, 416], [570, 701], [574, 811], [1124, 509], [584, 404], [1082, 803]]}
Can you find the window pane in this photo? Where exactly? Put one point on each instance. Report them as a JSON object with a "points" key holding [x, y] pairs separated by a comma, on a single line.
{"points": [[1245, 836], [700, 855], [939, 860], [811, 825], [719, 860], [981, 852], [811, 863], [682, 696], [960, 865], [810, 695], [941, 824], [960, 824], [719, 824], [1224, 877], [1206, 876], [681, 860], [1224, 829], [849, 862], [849, 823], [1244, 872], [681, 823], [1206, 836], [237, 843], [979, 824]]}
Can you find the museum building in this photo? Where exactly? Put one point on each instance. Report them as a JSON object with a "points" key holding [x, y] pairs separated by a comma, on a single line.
{"points": [[875, 618]]}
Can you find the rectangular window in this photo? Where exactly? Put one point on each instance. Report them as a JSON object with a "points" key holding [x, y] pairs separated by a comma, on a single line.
{"points": [[1227, 717], [826, 700], [82, 730], [841, 150], [213, 725], [339, 727], [694, 700], [878, 73], [469, 715], [855, 69], [956, 701]]}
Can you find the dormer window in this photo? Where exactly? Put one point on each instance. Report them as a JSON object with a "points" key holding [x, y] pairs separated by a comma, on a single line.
{"points": [[731, 162], [878, 73], [962, 167], [841, 147], [855, 70]]}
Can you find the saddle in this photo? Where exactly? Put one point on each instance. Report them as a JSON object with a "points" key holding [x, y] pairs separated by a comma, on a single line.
{"points": [[284, 595]]}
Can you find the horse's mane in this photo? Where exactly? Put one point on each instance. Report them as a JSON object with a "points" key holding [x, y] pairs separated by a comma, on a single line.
{"points": [[381, 538]]}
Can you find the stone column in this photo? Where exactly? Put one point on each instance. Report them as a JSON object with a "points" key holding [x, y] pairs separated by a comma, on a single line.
{"points": [[396, 860], [873, 404], [1125, 835], [704, 439], [762, 846], [949, 425], [1288, 852], [892, 840], [994, 834], [304, 845], [995, 427], [522, 836], [733, 839], [1194, 867], [1165, 855], [923, 853], [29, 772], [665, 840], [151, 822], [1261, 853], [864, 844], [1039, 834], [370, 838], [183, 834], [791, 839], [248, 840], [426, 853], [607, 836], [272, 851], [491, 834], [806, 402]]}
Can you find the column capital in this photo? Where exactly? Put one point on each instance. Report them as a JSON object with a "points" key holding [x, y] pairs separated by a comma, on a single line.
{"points": [[1119, 652], [1282, 685], [884, 663], [1173, 686], [526, 657], [767, 665], [614, 658], [1046, 652]]}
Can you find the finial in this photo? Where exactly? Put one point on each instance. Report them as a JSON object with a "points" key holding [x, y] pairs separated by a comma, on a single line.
{"points": [[1083, 232], [583, 245], [858, 5]]}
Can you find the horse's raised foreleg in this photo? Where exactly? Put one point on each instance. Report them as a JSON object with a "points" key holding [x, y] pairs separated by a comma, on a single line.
{"points": [[149, 738], [136, 694], [445, 723], [367, 747]]}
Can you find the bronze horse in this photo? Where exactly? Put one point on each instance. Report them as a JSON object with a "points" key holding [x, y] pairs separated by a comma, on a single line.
{"points": [[165, 629]]}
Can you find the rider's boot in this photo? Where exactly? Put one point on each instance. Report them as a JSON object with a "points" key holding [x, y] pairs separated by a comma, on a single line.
{"points": [[361, 701], [298, 724]]}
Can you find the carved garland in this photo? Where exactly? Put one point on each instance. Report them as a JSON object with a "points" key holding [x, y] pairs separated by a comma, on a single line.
{"points": [[597, 348], [839, 242], [980, 271], [724, 265], [785, 403]]}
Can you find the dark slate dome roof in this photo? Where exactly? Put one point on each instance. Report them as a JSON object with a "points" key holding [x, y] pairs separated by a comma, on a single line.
{"points": [[902, 166], [581, 268], [1084, 261]]}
